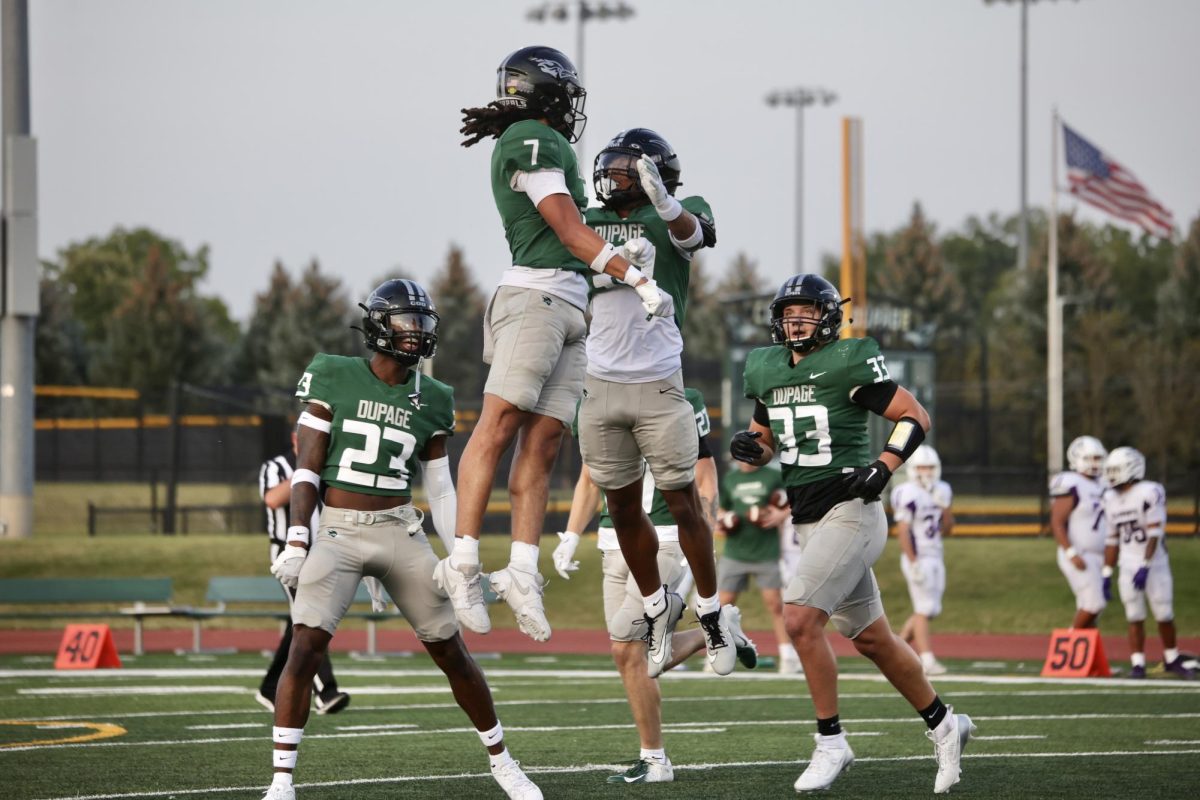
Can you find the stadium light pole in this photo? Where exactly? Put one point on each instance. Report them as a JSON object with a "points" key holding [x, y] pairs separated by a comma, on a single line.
{"points": [[582, 11], [800, 98], [1023, 136]]}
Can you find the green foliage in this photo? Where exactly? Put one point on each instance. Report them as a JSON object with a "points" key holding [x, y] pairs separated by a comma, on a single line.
{"points": [[460, 303]]}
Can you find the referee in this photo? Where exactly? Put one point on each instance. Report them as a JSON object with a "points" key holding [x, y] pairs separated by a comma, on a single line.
{"points": [[275, 488]]}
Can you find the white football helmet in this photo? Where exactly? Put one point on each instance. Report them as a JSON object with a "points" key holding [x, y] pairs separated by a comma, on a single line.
{"points": [[1124, 465], [925, 467], [1086, 455]]}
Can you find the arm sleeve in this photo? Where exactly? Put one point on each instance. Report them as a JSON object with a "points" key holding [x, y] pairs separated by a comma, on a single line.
{"points": [[540, 185], [866, 369], [704, 451], [761, 415], [875, 396], [442, 498]]}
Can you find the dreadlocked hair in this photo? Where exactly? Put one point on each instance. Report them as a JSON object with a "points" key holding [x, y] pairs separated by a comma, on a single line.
{"points": [[491, 120]]}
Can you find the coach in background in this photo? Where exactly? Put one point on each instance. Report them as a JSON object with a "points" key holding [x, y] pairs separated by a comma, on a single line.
{"points": [[275, 488]]}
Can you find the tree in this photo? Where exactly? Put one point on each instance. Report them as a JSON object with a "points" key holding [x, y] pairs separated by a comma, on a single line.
{"points": [[460, 303], [293, 321]]}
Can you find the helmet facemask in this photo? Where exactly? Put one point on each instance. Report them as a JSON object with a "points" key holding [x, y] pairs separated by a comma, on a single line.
{"points": [[612, 165], [405, 334], [1086, 456], [823, 318]]}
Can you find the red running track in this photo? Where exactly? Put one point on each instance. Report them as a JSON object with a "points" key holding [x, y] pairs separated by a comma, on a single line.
{"points": [[1007, 647]]}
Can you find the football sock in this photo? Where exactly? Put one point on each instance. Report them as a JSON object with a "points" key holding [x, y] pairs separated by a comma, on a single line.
{"points": [[656, 603], [466, 551], [707, 605], [659, 755], [935, 713], [1170, 654], [787, 652], [523, 556], [500, 759], [829, 727], [1137, 659]]}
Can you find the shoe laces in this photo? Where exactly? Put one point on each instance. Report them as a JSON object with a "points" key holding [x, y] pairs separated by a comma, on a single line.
{"points": [[513, 772], [711, 623]]}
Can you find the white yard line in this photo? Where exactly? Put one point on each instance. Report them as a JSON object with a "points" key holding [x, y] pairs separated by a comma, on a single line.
{"points": [[676, 726], [607, 768]]}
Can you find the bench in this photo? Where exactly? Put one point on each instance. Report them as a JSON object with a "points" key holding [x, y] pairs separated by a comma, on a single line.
{"points": [[266, 591], [149, 596]]}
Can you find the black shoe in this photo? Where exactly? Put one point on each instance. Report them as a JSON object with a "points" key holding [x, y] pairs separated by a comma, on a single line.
{"points": [[332, 703]]}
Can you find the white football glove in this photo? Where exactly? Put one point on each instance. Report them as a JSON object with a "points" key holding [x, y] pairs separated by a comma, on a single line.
{"points": [[287, 564], [564, 553], [916, 573], [668, 207], [640, 252], [656, 302], [379, 602]]}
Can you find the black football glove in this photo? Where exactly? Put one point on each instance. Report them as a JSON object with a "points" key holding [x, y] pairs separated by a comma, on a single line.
{"points": [[743, 447], [867, 482]]}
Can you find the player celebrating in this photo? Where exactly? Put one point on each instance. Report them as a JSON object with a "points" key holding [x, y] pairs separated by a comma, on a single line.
{"points": [[623, 609], [921, 508], [1136, 510], [367, 426], [534, 327], [812, 395], [634, 413], [1077, 522]]}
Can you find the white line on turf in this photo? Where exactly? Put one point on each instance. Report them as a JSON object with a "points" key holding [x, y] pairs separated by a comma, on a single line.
{"points": [[1173, 741], [612, 768], [679, 727], [226, 726]]}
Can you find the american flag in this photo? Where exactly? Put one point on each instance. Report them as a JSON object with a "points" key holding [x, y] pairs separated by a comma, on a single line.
{"points": [[1098, 179]]}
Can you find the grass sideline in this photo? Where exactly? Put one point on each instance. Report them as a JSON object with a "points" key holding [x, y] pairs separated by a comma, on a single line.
{"points": [[994, 585], [197, 733]]}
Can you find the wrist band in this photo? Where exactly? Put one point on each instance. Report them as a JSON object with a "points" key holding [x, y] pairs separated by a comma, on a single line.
{"points": [[905, 438], [1106, 571], [603, 257], [691, 242], [633, 276], [306, 476], [1070, 552], [298, 533]]}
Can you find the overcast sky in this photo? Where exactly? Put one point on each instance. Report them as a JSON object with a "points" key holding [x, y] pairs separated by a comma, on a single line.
{"points": [[300, 129]]}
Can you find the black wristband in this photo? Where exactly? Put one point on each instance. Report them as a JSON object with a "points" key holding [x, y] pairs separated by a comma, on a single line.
{"points": [[905, 438]]}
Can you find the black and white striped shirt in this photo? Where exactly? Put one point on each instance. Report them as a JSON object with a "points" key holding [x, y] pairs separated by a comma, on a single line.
{"points": [[273, 472]]}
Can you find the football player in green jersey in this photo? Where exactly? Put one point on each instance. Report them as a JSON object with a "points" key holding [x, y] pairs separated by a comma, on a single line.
{"points": [[534, 327], [623, 610], [634, 408], [812, 393], [368, 425]]}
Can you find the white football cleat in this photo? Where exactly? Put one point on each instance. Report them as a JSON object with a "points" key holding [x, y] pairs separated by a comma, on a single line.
{"points": [[831, 757], [949, 740], [523, 593], [462, 585], [933, 667], [790, 666], [277, 791], [659, 630], [646, 770], [718, 638], [515, 783]]}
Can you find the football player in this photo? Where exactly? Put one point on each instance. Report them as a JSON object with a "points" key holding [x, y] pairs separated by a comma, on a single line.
{"points": [[750, 519], [367, 426], [623, 609], [921, 509], [813, 393], [1077, 522], [534, 326], [634, 412], [1136, 510]]}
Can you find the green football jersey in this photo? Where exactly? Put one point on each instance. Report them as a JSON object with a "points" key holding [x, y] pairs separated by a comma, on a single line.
{"points": [[660, 513], [672, 268], [377, 430], [739, 492], [819, 431], [530, 146]]}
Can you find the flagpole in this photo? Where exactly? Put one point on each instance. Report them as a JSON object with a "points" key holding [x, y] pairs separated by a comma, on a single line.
{"points": [[1054, 345]]}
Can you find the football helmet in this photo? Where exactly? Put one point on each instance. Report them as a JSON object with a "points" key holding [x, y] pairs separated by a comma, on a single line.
{"points": [[925, 467], [1124, 465], [1086, 455], [399, 320], [620, 157], [810, 289], [543, 82]]}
